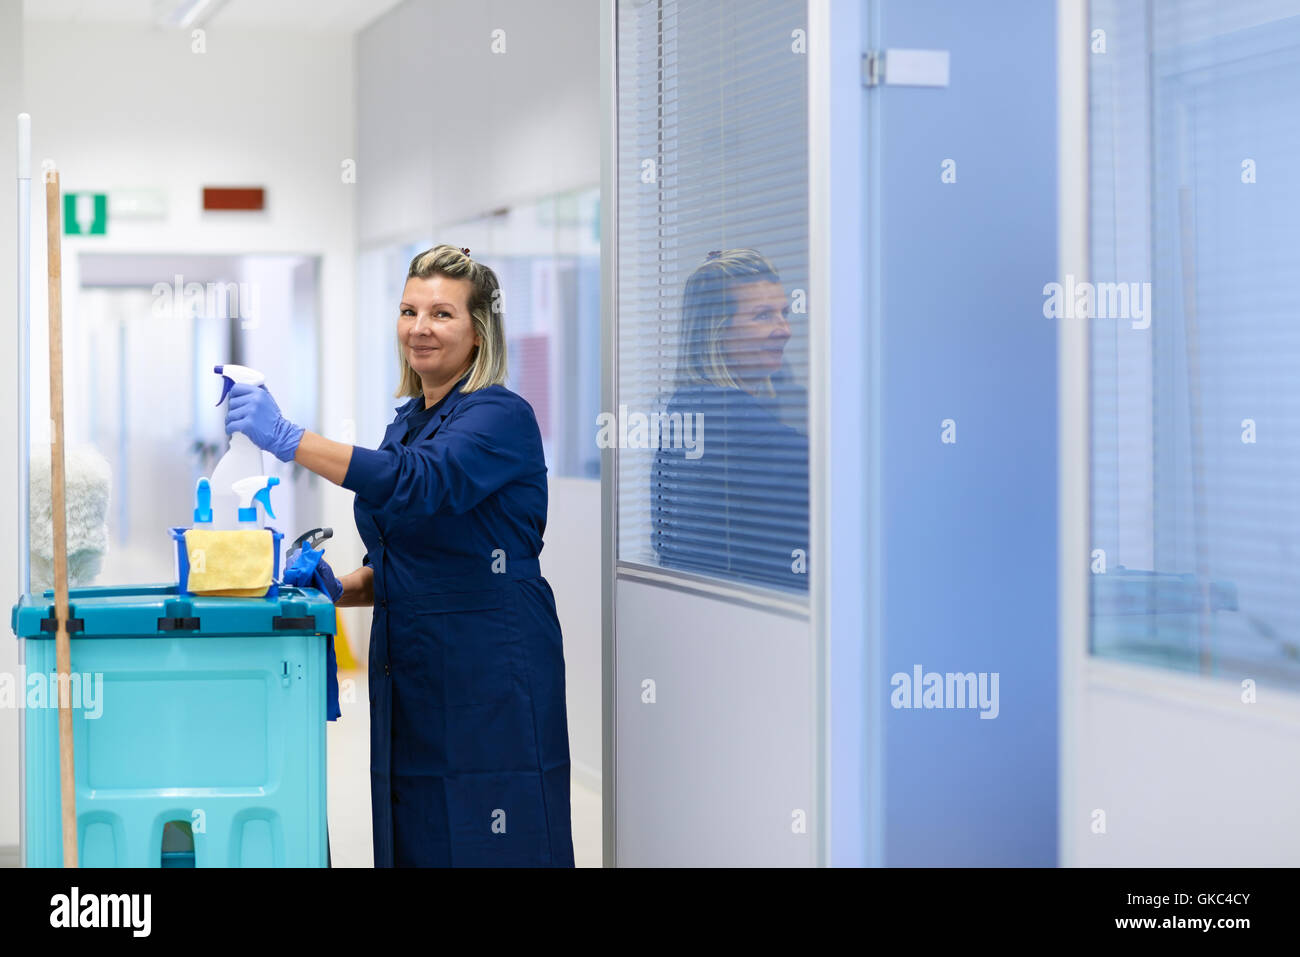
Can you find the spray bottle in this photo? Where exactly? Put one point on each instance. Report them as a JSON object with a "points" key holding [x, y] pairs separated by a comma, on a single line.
{"points": [[250, 491], [241, 460]]}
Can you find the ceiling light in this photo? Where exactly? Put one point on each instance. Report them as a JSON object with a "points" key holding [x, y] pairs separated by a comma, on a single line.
{"points": [[185, 13]]}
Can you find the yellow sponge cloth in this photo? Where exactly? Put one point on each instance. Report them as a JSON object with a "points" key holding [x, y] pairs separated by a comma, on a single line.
{"points": [[238, 563]]}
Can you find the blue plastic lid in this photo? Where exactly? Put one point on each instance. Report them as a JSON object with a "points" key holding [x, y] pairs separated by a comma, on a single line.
{"points": [[123, 611]]}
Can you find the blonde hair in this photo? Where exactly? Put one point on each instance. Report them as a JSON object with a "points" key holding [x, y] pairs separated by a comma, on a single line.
{"points": [[707, 306], [488, 363]]}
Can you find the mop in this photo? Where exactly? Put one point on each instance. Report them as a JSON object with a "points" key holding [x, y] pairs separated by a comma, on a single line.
{"points": [[58, 498], [88, 483]]}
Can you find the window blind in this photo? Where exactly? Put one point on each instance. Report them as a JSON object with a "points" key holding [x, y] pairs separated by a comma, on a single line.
{"points": [[1196, 419], [712, 184]]}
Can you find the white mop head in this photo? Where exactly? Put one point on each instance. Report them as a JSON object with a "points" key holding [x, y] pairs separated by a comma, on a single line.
{"points": [[89, 480]]}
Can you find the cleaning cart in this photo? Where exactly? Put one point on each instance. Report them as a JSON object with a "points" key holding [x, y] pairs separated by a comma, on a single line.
{"points": [[197, 709], [165, 725], [199, 728]]}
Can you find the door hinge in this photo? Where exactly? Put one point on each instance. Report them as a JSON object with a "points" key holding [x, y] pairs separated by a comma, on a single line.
{"points": [[905, 68], [871, 68]]}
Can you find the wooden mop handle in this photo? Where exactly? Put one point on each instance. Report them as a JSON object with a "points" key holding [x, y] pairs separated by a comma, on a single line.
{"points": [[58, 493]]}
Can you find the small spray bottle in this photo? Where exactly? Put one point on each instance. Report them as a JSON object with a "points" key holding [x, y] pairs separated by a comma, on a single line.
{"points": [[250, 491], [203, 504]]}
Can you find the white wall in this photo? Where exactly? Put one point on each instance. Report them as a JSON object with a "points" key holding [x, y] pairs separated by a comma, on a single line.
{"points": [[1187, 773], [571, 563], [447, 130], [11, 103], [270, 109], [120, 106], [717, 770]]}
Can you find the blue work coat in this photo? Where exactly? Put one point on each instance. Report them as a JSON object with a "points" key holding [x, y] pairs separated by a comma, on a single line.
{"points": [[469, 746], [736, 505]]}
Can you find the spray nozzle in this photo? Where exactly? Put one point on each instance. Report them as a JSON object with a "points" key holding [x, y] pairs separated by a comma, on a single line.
{"points": [[251, 490], [203, 502], [232, 374]]}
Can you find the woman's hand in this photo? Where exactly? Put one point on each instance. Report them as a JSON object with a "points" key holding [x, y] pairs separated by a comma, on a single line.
{"points": [[358, 588], [252, 411]]}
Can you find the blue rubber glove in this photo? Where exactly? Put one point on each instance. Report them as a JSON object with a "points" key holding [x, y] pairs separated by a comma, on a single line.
{"points": [[308, 569], [327, 582], [251, 410]]}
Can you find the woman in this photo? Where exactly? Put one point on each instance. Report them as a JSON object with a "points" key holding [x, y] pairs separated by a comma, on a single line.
{"points": [[736, 506], [469, 745]]}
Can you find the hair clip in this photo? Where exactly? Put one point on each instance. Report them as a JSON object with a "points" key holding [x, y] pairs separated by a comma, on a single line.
{"points": [[465, 250], [714, 254]]}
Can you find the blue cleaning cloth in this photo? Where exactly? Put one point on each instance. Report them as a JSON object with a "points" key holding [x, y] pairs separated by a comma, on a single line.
{"points": [[307, 569]]}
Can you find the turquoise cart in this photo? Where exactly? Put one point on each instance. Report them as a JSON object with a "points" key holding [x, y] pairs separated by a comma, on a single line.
{"points": [[199, 727]]}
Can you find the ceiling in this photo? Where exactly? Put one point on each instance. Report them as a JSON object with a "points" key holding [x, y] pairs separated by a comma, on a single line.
{"points": [[317, 15]]}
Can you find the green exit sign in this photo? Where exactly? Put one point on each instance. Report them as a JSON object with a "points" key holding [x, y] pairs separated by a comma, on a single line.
{"points": [[85, 214]]}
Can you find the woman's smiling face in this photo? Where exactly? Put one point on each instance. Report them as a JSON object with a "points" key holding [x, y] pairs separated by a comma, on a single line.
{"points": [[435, 328]]}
